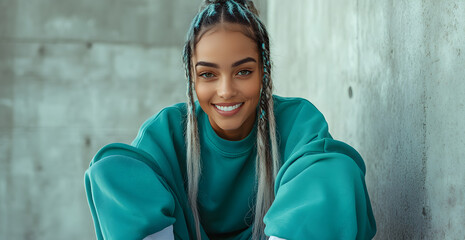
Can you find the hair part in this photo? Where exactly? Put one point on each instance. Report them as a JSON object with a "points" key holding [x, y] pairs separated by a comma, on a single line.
{"points": [[243, 12]]}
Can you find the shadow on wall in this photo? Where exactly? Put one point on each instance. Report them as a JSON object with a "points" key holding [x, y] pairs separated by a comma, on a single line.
{"points": [[404, 62], [411, 64]]}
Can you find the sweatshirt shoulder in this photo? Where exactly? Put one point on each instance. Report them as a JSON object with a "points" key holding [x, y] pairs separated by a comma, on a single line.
{"points": [[292, 103], [288, 109], [168, 115], [163, 122], [177, 110]]}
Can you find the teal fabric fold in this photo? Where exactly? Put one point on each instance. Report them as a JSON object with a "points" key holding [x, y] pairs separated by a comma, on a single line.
{"points": [[139, 189]]}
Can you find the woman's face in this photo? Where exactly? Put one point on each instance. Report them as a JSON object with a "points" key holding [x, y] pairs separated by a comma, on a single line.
{"points": [[227, 79]]}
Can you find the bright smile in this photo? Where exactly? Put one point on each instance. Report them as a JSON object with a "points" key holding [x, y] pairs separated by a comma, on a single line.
{"points": [[228, 109]]}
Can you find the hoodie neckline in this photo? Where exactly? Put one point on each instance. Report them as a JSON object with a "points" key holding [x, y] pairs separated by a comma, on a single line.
{"points": [[226, 147]]}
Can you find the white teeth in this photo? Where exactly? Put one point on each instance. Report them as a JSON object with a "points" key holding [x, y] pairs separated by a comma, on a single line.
{"points": [[228, 108]]}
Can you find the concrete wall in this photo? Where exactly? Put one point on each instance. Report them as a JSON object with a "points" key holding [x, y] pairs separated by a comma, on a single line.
{"points": [[388, 75], [390, 78], [74, 76]]}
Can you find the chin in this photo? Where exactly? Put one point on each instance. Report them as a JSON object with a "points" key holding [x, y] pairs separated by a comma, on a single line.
{"points": [[229, 126]]}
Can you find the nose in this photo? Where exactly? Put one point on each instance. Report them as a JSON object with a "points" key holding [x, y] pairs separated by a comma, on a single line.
{"points": [[226, 88]]}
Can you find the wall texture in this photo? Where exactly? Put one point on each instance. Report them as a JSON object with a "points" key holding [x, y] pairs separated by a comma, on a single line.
{"points": [[390, 78], [74, 76], [388, 75]]}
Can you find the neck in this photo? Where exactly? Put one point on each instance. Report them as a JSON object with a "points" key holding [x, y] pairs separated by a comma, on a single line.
{"points": [[236, 134]]}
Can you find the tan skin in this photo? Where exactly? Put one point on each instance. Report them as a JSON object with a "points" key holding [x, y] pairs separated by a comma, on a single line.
{"points": [[227, 72]]}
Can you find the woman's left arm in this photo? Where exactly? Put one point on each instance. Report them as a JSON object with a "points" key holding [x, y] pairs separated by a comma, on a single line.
{"points": [[320, 190], [321, 196]]}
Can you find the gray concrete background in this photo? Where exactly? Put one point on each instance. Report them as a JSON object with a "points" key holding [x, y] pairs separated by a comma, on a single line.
{"points": [[388, 76], [74, 76]]}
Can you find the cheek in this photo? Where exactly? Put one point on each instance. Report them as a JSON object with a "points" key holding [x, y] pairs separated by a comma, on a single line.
{"points": [[203, 92], [252, 89]]}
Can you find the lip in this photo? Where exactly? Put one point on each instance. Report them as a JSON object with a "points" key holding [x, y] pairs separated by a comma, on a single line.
{"points": [[229, 113], [227, 104]]}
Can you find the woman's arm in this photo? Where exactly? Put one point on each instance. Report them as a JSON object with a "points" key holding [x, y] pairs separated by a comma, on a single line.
{"points": [[320, 190], [127, 198], [321, 196]]}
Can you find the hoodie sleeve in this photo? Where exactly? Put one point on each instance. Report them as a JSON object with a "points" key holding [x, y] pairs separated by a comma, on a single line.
{"points": [[320, 190], [128, 199]]}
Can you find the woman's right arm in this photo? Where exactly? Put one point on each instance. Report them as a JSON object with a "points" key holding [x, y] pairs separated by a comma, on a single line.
{"points": [[127, 198]]}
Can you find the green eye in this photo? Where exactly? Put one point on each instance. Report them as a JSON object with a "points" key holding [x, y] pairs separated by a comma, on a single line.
{"points": [[207, 75], [244, 73]]}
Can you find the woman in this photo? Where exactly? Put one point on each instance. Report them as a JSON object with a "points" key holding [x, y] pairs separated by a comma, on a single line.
{"points": [[239, 163]]}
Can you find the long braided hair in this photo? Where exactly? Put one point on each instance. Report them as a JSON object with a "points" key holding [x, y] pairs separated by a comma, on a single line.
{"points": [[242, 12]]}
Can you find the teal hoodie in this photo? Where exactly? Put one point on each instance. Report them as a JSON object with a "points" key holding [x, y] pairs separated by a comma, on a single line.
{"points": [[320, 193]]}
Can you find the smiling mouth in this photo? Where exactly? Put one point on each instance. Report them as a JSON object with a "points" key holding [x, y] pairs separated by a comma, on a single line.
{"points": [[229, 108]]}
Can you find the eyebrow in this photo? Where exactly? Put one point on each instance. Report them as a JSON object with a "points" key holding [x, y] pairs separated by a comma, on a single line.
{"points": [[214, 65]]}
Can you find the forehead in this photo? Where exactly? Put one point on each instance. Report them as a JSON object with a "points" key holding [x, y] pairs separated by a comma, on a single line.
{"points": [[225, 40], [226, 26]]}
